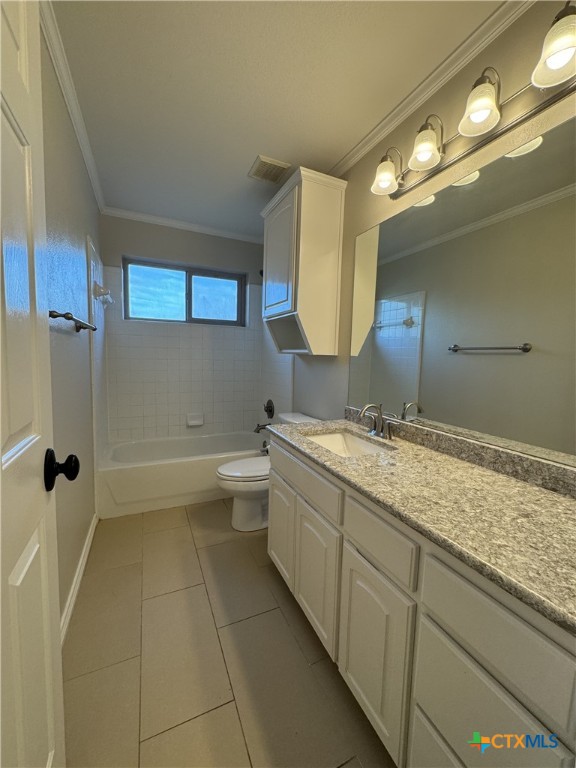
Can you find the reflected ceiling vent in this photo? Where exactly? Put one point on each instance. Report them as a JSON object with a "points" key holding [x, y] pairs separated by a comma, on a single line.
{"points": [[268, 169]]}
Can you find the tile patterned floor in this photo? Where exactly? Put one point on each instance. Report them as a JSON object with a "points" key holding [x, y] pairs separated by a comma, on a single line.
{"points": [[187, 650]]}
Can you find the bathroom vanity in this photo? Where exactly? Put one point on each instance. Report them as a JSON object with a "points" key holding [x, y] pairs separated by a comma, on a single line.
{"points": [[444, 591]]}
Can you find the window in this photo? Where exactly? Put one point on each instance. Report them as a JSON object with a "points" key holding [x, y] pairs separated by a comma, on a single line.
{"points": [[154, 291]]}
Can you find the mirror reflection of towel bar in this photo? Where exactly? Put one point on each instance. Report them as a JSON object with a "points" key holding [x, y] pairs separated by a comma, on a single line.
{"points": [[80, 324], [520, 348]]}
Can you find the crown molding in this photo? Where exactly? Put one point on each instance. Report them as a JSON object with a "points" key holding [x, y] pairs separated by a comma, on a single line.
{"points": [[148, 218], [49, 27], [500, 20], [509, 213]]}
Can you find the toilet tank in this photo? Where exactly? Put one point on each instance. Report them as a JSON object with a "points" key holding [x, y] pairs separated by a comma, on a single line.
{"points": [[294, 418]]}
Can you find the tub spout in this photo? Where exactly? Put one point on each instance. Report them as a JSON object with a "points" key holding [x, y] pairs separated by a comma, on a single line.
{"points": [[260, 427]]}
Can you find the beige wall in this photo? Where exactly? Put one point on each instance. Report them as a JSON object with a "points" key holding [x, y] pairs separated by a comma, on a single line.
{"points": [[505, 284], [71, 215], [514, 54], [125, 237]]}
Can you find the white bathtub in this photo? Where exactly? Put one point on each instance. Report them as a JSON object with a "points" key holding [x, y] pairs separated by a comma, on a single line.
{"points": [[158, 474]]}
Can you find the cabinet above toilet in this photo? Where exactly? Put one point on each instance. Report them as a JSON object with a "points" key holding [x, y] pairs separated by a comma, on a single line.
{"points": [[302, 263]]}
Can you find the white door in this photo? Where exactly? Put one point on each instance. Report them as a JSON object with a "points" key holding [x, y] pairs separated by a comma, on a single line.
{"points": [[32, 711]]}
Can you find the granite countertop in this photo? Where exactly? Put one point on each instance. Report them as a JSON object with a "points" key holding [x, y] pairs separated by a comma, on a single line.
{"points": [[521, 537]]}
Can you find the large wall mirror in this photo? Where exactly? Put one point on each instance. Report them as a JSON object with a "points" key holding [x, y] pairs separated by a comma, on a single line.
{"points": [[491, 263]]}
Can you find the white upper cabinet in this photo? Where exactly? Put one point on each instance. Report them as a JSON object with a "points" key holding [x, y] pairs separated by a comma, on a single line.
{"points": [[302, 263]]}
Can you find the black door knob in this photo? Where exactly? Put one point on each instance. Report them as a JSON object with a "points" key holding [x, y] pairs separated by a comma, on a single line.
{"points": [[52, 468]]}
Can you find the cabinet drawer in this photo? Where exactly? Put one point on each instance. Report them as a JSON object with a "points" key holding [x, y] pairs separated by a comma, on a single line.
{"points": [[394, 552], [322, 494], [531, 666], [461, 699]]}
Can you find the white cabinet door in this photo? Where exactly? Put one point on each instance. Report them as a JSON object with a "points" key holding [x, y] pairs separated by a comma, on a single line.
{"points": [[281, 516], [280, 232], [317, 566], [32, 710], [376, 632]]}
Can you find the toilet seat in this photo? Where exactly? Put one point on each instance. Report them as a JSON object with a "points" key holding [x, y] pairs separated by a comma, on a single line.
{"points": [[246, 470]]}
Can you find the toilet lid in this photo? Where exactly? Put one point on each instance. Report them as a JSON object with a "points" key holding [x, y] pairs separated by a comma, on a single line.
{"points": [[257, 468]]}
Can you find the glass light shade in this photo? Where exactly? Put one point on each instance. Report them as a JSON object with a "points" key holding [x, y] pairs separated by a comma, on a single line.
{"points": [[530, 146], [427, 201], [385, 182], [558, 60], [470, 179], [482, 113], [425, 154]]}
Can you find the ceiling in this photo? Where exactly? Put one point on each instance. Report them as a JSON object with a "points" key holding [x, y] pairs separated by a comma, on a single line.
{"points": [[178, 98]]}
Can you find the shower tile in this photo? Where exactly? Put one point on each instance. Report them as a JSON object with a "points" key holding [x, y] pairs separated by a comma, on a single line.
{"points": [[237, 588], [285, 714], [101, 717], [117, 541], [209, 741], [162, 519], [105, 624], [183, 671], [169, 562]]}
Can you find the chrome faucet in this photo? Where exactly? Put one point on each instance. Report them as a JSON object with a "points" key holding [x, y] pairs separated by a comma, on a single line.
{"points": [[260, 427], [409, 405], [381, 423]]}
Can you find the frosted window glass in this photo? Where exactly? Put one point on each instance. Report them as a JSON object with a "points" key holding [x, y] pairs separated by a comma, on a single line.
{"points": [[214, 298], [155, 293]]}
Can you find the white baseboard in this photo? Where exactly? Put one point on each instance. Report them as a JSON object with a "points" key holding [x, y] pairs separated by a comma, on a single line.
{"points": [[73, 594]]}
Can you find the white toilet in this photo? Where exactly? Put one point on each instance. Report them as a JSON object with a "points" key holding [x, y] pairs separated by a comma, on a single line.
{"points": [[247, 481]]}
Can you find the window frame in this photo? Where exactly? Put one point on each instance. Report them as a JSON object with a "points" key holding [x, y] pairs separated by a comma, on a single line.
{"points": [[190, 271]]}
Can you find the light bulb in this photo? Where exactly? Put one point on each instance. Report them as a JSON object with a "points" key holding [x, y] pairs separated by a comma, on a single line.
{"points": [[423, 156], [480, 115], [560, 59]]}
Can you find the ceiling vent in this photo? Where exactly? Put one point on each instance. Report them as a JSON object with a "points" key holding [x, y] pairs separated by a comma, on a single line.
{"points": [[268, 169]]}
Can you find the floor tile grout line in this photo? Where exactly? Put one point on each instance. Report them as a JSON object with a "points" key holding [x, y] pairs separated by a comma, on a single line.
{"points": [[247, 618], [225, 663], [99, 669], [162, 530], [190, 720], [172, 591]]}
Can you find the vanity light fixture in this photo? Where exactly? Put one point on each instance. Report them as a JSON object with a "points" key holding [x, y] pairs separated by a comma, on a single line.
{"points": [[530, 146], [428, 148], [387, 180], [465, 180], [427, 201], [558, 60], [482, 108]]}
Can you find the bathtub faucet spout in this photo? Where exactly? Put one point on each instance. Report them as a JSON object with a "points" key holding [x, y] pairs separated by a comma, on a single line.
{"points": [[260, 427]]}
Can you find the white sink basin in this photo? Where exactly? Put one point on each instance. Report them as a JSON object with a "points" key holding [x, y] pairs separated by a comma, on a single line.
{"points": [[347, 444]]}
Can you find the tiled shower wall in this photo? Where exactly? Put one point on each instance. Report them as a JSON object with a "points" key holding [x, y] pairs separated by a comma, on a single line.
{"points": [[158, 372]]}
